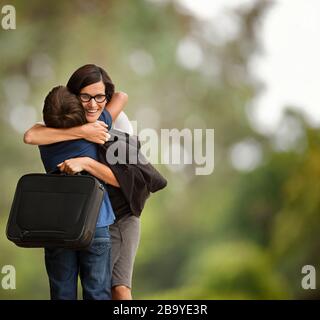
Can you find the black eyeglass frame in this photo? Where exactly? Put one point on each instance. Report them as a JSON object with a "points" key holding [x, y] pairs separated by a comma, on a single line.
{"points": [[92, 97]]}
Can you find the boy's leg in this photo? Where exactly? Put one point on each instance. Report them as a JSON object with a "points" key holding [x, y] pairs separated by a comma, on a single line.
{"points": [[62, 269], [95, 267]]}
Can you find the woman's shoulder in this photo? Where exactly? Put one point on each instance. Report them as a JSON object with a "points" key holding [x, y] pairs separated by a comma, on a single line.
{"points": [[106, 117]]}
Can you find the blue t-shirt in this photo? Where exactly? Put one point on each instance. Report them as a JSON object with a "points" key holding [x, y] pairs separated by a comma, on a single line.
{"points": [[53, 154]]}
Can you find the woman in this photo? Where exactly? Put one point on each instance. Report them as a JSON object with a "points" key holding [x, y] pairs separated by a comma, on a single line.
{"points": [[92, 84]]}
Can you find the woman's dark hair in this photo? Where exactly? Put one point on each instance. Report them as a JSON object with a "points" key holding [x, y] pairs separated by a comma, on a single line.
{"points": [[89, 74], [62, 109]]}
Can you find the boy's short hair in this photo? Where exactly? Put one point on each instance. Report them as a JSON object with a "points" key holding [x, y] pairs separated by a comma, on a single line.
{"points": [[62, 109]]}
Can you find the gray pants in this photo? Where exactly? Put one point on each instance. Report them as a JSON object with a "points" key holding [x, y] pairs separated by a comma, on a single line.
{"points": [[125, 237]]}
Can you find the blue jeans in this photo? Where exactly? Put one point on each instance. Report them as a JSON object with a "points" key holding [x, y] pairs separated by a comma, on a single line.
{"points": [[93, 265]]}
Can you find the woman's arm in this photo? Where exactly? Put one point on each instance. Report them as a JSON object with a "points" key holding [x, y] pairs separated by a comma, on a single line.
{"points": [[39, 134], [117, 103], [96, 132], [95, 168]]}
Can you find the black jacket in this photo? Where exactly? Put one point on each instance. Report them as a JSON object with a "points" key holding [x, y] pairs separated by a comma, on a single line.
{"points": [[136, 181]]}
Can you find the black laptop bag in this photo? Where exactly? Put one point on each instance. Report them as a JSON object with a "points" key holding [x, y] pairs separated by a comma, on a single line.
{"points": [[55, 210]]}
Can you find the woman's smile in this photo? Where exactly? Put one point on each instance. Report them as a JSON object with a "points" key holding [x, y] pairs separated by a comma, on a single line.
{"points": [[92, 114], [92, 111]]}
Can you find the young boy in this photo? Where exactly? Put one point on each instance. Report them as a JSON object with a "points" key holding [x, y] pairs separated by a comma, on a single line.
{"points": [[63, 110]]}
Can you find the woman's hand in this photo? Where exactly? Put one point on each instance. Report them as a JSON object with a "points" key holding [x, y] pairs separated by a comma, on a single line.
{"points": [[96, 132], [73, 166]]}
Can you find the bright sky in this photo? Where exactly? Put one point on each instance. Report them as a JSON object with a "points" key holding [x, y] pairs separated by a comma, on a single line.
{"points": [[289, 66]]}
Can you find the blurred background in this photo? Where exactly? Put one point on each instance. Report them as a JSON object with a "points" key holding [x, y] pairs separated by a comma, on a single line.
{"points": [[247, 68]]}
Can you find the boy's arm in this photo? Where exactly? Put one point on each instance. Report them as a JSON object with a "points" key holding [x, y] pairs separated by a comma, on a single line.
{"points": [[95, 168], [39, 134], [117, 103]]}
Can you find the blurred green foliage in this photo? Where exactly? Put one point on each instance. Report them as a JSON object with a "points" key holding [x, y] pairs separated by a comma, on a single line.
{"points": [[229, 235]]}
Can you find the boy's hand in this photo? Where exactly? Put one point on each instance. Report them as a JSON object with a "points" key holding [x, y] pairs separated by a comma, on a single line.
{"points": [[96, 132], [73, 166]]}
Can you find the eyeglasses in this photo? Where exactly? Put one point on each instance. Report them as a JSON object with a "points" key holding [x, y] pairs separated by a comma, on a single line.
{"points": [[84, 97]]}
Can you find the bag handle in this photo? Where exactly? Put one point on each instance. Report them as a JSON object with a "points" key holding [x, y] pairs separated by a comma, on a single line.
{"points": [[56, 170]]}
